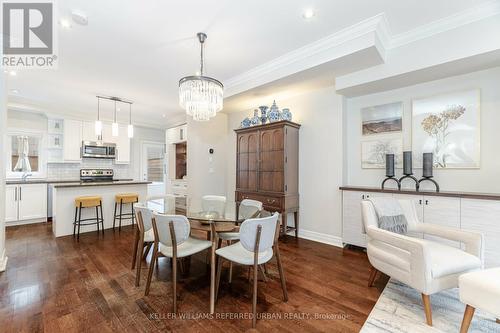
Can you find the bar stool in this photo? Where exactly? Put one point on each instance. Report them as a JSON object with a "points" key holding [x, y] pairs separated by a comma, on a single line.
{"points": [[123, 199], [87, 202]]}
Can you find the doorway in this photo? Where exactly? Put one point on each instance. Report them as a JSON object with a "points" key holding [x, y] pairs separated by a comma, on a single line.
{"points": [[153, 166]]}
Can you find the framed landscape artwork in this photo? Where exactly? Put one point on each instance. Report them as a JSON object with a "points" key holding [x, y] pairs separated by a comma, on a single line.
{"points": [[373, 151], [448, 126], [386, 118]]}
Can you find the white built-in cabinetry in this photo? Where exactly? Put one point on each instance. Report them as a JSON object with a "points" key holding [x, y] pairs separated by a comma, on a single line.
{"points": [[451, 211], [25, 202], [66, 136], [174, 135], [177, 134]]}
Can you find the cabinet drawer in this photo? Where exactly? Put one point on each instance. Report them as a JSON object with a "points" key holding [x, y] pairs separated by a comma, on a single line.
{"points": [[269, 202]]}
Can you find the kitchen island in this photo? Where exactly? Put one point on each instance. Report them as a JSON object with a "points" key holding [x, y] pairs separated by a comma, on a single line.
{"points": [[63, 202]]}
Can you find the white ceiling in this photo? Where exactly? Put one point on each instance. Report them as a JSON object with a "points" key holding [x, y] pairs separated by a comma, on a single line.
{"points": [[139, 50]]}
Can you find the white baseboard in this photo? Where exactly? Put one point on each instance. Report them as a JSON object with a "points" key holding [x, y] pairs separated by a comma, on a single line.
{"points": [[23, 222], [3, 261], [319, 237]]}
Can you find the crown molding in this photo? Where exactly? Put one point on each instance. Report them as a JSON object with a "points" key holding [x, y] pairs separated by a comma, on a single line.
{"points": [[470, 15], [304, 53], [377, 27]]}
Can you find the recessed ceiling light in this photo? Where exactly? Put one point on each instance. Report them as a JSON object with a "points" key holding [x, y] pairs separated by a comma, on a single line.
{"points": [[65, 23], [12, 73], [308, 13], [163, 115], [198, 73], [117, 109], [14, 91], [79, 17]]}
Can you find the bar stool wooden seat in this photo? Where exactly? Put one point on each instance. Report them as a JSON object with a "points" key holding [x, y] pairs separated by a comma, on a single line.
{"points": [[87, 202], [124, 199]]}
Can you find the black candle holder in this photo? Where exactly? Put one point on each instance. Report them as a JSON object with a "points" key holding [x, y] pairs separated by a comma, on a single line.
{"points": [[389, 170], [431, 180], [408, 169], [428, 163]]}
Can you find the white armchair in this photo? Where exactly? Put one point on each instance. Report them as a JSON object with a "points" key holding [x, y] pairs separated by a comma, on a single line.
{"points": [[422, 264]]}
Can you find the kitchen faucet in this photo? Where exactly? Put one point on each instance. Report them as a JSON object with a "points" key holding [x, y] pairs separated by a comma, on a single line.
{"points": [[26, 175]]}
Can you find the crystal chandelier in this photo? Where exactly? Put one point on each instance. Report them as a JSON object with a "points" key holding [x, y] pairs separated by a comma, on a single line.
{"points": [[201, 96]]}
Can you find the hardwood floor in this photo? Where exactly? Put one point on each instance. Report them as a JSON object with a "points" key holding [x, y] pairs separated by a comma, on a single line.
{"points": [[59, 285]]}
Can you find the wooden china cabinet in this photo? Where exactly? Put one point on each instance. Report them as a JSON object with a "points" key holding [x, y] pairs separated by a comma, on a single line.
{"points": [[267, 168]]}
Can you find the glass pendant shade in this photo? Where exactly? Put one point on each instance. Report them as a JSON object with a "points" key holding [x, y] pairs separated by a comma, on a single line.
{"points": [[98, 127], [114, 129], [130, 131], [201, 96]]}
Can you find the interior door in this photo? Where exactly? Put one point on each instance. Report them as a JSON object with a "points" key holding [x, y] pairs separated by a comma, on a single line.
{"points": [[11, 204], [153, 166], [272, 160], [247, 159]]}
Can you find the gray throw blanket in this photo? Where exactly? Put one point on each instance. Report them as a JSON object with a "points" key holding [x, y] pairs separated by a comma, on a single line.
{"points": [[390, 215]]}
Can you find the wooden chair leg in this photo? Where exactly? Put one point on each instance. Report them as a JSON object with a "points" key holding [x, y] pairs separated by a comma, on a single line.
{"points": [[114, 217], [217, 279], [212, 277], [468, 314], [498, 320], [151, 269], [230, 265], [254, 296], [174, 284], [373, 275], [138, 254], [145, 254], [102, 217], [120, 217], [264, 277], [136, 245], [427, 307], [282, 274], [296, 218]]}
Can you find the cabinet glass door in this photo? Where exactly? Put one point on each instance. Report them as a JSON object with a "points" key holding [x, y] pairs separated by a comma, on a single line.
{"points": [[272, 160]]}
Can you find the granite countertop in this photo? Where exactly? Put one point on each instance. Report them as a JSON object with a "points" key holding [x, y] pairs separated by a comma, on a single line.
{"points": [[49, 181], [113, 183]]}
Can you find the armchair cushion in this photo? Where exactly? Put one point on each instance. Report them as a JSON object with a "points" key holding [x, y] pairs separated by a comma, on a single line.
{"points": [[446, 260]]}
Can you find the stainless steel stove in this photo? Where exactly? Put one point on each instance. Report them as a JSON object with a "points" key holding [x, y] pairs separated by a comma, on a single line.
{"points": [[96, 175]]}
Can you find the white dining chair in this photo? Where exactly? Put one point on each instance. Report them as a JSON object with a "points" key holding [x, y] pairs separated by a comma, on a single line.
{"points": [[258, 239], [247, 209], [144, 238], [214, 203], [172, 240]]}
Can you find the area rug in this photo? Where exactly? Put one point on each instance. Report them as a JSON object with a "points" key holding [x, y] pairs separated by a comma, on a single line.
{"points": [[399, 310]]}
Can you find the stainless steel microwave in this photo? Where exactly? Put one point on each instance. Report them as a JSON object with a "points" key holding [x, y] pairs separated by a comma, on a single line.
{"points": [[96, 149]]}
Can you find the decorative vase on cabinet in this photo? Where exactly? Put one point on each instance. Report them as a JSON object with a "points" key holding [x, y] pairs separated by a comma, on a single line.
{"points": [[274, 113], [263, 114], [286, 114], [255, 119]]}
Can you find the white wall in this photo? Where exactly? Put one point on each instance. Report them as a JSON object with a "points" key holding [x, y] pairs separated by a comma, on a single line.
{"points": [[206, 173], [484, 179], [320, 161], [3, 126]]}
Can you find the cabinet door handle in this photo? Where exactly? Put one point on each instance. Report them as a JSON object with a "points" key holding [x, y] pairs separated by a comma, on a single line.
{"points": [[426, 202], [20, 193], [15, 194], [420, 201], [363, 197]]}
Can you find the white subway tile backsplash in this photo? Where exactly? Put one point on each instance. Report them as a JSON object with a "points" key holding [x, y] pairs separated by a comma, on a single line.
{"points": [[72, 171]]}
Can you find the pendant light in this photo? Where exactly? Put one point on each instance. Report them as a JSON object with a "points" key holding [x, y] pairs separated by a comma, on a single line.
{"points": [[114, 126], [130, 127], [98, 122], [201, 96]]}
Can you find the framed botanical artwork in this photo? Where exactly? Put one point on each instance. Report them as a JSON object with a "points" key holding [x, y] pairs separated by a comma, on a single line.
{"points": [[448, 126], [373, 151], [378, 119]]}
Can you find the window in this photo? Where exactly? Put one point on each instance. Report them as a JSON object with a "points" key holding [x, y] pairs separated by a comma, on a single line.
{"points": [[25, 154]]}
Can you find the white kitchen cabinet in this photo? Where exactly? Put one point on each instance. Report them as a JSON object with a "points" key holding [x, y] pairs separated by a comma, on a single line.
{"points": [[352, 231], [177, 134], [418, 200], [443, 211], [11, 205], [88, 131], [32, 201], [72, 140], [107, 133], [122, 146], [484, 216], [26, 202]]}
